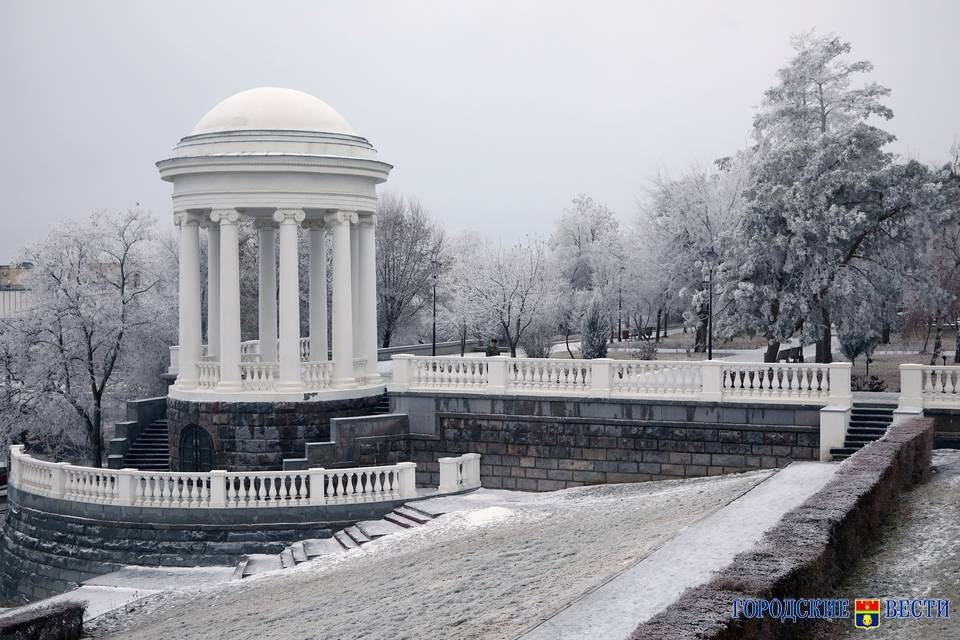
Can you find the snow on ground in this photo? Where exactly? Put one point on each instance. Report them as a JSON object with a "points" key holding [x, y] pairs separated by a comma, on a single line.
{"points": [[488, 572], [917, 555]]}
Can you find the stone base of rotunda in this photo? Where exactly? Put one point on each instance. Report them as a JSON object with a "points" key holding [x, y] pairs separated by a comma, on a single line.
{"points": [[258, 436]]}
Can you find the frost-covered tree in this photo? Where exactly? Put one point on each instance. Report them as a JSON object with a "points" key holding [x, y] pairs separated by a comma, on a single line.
{"points": [[514, 286], [596, 328], [461, 315], [407, 241], [581, 239], [97, 317], [826, 202]]}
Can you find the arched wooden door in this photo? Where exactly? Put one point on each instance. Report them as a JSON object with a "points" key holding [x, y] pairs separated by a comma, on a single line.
{"points": [[196, 449]]}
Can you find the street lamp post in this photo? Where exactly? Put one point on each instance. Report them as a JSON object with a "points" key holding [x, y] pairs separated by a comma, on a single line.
{"points": [[620, 308], [712, 258], [434, 274]]}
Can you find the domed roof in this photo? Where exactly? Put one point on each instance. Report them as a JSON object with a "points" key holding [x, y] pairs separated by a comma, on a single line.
{"points": [[273, 108]]}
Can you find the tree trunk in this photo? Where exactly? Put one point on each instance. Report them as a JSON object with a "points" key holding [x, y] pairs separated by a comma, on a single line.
{"points": [[566, 341], [926, 337], [463, 343], [96, 441], [773, 349], [700, 338], [824, 337], [659, 315], [513, 349], [386, 339], [885, 333], [937, 342]]}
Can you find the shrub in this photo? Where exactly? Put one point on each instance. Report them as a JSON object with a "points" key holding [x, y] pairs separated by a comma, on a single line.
{"points": [[593, 337], [863, 383], [645, 351], [63, 621]]}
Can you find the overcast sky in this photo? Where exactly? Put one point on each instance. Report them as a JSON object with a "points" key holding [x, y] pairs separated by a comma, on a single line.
{"points": [[494, 114]]}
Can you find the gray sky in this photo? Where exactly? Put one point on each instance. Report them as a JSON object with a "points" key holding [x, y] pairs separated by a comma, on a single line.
{"points": [[495, 114]]}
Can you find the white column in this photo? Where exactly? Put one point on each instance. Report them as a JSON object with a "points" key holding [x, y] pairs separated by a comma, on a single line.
{"points": [[267, 298], [189, 299], [355, 289], [289, 379], [229, 299], [367, 326], [318, 290], [213, 290], [339, 224]]}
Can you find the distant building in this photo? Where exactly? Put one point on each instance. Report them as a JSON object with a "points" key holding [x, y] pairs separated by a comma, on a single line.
{"points": [[13, 293]]}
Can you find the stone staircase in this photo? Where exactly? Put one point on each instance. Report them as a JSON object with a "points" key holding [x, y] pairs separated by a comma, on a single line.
{"points": [[868, 422], [353, 537], [151, 450], [383, 407]]}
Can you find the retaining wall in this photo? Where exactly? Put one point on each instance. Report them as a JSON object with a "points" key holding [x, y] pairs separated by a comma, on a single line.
{"points": [[49, 546], [548, 443], [807, 552], [257, 436]]}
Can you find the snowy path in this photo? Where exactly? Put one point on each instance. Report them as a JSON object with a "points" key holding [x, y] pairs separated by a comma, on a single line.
{"points": [[687, 560], [490, 571]]}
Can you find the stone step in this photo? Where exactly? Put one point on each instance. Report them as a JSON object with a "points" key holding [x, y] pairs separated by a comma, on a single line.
{"points": [[875, 405], [299, 553], [322, 547], [259, 563], [869, 424], [429, 508], [844, 451], [358, 536], [345, 541], [401, 520], [286, 558], [413, 514], [378, 528]]}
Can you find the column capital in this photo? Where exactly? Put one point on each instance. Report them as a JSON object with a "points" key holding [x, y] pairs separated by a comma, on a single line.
{"points": [[188, 217], [341, 217], [367, 218], [225, 216], [265, 223], [289, 216]]}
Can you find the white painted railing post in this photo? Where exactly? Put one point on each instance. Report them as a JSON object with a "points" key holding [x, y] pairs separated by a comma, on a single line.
{"points": [[834, 420], [711, 380], [58, 477], [402, 364], [125, 487], [840, 374], [174, 367], [498, 368], [315, 480], [13, 477], [408, 479], [601, 376], [448, 475], [218, 489], [471, 475], [911, 387]]}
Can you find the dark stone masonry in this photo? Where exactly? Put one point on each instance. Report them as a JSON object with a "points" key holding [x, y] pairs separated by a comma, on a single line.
{"points": [[250, 436], [543, 444]]}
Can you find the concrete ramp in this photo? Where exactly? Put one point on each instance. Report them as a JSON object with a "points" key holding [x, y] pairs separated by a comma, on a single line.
{"points": [[688, 559]]}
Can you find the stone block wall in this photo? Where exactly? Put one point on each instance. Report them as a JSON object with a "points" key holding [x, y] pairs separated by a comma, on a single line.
{"points": [[553, 443], [250, 436]]}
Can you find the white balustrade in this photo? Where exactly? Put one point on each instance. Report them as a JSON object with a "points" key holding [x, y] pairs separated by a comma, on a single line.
{"points": [[460, 473], [705, 381], [317, 374], [208, 374], [174, 367], [250, 351], [258, 376], [929, 386], [445, 372], [548, 374], [218, 489], [776, 381], [304, 348], [656, 378]]}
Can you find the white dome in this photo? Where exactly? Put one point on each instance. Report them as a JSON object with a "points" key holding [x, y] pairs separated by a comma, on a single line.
{"points": [[272, 108]]}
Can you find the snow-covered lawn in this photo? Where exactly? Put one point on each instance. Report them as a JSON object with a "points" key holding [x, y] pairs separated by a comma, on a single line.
{"points": [[488, 572]]}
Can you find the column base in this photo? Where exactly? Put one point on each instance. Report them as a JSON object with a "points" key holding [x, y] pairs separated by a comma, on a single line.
{"points": [[229, 386], [290, 385], [342, 383], [373, 378], [185, 384]]}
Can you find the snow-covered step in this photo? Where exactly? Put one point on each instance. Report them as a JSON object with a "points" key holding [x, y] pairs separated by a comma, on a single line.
{"points": [[345, 541], [432, 508], [413, 514], [358, 536], [401, 520], [259, 563], [378, 528], [299, 553], [322, 547]]}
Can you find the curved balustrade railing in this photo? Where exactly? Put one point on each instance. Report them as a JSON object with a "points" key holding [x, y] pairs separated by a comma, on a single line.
{"points": [[208, 374], [215, 489], [929, 386], [708, 381], [317, 374]]}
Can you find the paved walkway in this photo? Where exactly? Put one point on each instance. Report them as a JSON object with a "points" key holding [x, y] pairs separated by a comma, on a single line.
{"points": [[686, 560]]}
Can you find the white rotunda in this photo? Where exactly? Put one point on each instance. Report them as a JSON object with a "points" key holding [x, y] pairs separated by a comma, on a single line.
{"points": [[284, 159]]}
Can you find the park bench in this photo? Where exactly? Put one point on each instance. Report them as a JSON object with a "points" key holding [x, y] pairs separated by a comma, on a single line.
{"points": [[794, 354]]}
